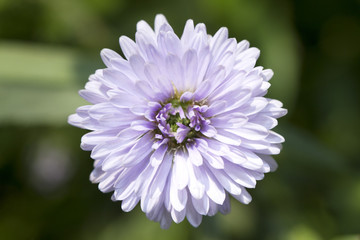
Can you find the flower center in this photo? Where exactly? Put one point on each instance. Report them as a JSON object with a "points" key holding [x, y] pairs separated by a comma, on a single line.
{"points": [[173, 120], [180, 122]]}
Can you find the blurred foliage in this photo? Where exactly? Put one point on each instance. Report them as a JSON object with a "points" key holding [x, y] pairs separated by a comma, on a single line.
{"points": [[47, 51]]}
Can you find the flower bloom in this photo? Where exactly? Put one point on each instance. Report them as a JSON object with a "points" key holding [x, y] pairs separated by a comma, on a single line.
{"points": [[179, 124]]}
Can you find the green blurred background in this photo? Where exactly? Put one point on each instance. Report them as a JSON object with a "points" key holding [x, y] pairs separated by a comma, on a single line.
{"points": [[48, 48]]}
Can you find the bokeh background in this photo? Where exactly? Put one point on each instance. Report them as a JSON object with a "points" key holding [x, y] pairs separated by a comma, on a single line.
{"points": [[48, 48]]}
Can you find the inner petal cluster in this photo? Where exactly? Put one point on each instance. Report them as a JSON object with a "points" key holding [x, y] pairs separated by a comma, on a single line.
{"points": [[181, 122]]}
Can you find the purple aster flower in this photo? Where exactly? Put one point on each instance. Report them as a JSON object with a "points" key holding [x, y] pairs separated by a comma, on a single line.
{"points": [[179, 124]]}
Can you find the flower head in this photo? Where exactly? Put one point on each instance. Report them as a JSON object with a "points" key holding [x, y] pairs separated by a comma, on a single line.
{"points": [[179, 124]]}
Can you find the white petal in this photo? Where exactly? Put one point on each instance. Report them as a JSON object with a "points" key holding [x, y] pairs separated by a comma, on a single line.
{"points": [[146, 90], [208, 130], [165, 221], [226, 182], [201, 205], [196, 187], [214, 190], [93, 96], [107, 183], [175, 71], [253, 162], [178, 216], [97, 175], [244, 197], [188, 32], [270, 161], [204, 58], [267, 73], [251, 131], [156, 191], [142, 125], [169, 43], [236, 99], [125, 100], [263, 89], [161, 177], [194, 155], [261, 146], [215, 78], [114, 160], [125, 191], [118, 80], [122, 65], [222, 53], [215, 108], [254, 106], [264, 120], [274, 137], [158, 155], [249, 53], [129, 203], [84, 122], [245, 65], [193, 217], [158, 80], [138, 109], [97, 111], [217, 148], [201, 28], [178, 198], [160, 20], [202, 91], [139, 151], [213, 207], [108, 54], [83, 111], [226, 207], [243, 45], [190, 64], [198, 42], [145, 178], [180, 174], [128, 46], [235, 155], [137, 63], [129, 134], [214, 161], [240, 176], [186, 96], [104, 149], [227, 137], [89, 140], [124, 185], [232, 120], [274, 109], [144, 28], [219, 37]]}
